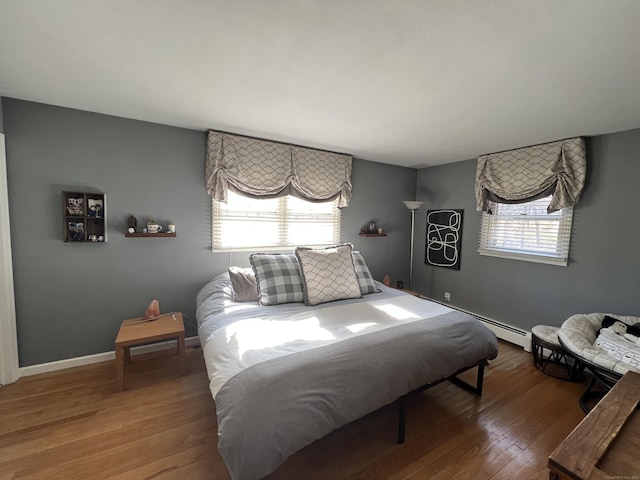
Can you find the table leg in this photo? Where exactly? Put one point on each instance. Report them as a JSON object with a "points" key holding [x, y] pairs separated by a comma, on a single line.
{"points": [[127, 355], [181, 353], [119, 369]]}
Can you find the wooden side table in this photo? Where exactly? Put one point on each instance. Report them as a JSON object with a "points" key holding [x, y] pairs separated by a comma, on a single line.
{"points": [[135, 332]]}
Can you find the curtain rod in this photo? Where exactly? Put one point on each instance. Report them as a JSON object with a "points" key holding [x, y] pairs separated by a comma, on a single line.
{"points": [[280, 143], [528, 146]]}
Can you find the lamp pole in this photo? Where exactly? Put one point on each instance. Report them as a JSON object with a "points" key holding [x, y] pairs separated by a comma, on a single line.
{"points": [[413, 206]]}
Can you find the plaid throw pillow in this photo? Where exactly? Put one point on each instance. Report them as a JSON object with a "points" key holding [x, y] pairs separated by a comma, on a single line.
{"points": [[278, 278], [365, 279]]}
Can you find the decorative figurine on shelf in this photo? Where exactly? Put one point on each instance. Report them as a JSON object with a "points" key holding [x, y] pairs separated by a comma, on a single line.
{"points": [[171, 227], [363, 230], [133, 223], [387, 280]]}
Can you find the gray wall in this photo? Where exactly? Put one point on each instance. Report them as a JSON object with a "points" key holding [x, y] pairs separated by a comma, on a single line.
{"points": [[1, 118], [603, 274], [70, 298]]}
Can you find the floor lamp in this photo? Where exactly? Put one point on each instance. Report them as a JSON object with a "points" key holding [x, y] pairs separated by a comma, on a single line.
{"points": [[413, 206]]}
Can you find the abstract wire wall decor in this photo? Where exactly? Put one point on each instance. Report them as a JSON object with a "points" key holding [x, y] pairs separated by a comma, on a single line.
{"points": [[444, 238]]}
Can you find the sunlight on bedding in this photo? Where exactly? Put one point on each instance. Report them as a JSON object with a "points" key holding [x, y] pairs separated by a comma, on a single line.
{"points": [[257, 333], [358, 327], [233, 307], [396, 312]]}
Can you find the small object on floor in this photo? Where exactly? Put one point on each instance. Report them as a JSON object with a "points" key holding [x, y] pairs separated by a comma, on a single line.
{"points": [[153, 310], [557, 363], [386, 280]]}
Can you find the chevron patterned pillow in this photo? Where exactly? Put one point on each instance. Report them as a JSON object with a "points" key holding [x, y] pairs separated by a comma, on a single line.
{"points": [[328, 274]]}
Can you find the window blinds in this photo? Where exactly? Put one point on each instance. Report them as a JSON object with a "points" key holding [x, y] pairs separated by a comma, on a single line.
{"points": [[527, 232], [246, 223]]}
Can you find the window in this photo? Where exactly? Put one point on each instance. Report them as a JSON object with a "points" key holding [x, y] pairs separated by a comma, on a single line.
{"points": [[245, 223], [526, 232]]}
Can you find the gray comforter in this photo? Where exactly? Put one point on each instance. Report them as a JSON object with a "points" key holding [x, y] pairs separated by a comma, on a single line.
{"points": [[274, 397]]}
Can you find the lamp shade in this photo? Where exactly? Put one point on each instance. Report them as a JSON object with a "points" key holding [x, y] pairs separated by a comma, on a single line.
{"points": [[412, 205]]}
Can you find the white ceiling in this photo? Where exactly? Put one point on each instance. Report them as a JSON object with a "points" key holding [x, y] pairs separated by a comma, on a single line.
{"points": [[412, 83]]}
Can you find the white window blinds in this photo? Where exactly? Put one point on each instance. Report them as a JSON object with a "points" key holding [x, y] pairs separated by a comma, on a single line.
{"points": [[245, 223], [526, 232]]}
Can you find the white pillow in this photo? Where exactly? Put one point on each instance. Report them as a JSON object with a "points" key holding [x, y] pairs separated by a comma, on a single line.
{"points": [[328, 274]]}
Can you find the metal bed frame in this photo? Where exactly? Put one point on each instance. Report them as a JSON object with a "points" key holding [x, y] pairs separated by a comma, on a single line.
{"points": [[477, 389]]}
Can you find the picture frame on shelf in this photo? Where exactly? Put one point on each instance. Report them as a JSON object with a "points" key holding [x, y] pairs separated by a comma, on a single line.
{"points": [[75, 206], [95, 207], [76, 231], [372, 228]]}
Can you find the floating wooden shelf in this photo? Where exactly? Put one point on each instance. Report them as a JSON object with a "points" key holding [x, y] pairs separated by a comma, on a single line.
{"points": [[147, 235], [373, 234]]}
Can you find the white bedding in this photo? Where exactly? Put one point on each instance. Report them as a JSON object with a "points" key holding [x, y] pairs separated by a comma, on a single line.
{"points": [[250, 334], [285, 375]]}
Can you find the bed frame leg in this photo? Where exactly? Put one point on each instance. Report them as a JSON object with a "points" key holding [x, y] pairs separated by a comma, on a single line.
{"points": [[402, 416], [402, 413], [479, 382]]}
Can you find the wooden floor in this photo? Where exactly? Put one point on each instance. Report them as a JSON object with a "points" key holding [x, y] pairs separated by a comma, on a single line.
{"points": [[71, 425]]}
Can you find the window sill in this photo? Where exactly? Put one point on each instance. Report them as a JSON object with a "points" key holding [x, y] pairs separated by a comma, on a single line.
{"points": [[549, 260], [276, 249]]}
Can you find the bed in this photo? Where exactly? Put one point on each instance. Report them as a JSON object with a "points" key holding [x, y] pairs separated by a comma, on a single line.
{"points": [[283, 376]]}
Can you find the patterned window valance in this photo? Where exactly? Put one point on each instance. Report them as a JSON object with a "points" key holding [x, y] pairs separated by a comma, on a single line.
{"points": [[526, 174], [261, 168]]}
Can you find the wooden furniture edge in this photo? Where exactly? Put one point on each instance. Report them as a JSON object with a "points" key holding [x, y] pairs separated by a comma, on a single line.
{"points": [[122, 347], [587, 444]]}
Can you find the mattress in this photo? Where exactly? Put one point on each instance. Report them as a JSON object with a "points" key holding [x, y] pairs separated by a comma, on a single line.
{"points": [[283, 376]]}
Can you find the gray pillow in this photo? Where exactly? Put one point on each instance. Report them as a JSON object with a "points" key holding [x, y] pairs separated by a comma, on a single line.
{"points": [[365, 279], [278, 278], [328, 274], [243, 282]]}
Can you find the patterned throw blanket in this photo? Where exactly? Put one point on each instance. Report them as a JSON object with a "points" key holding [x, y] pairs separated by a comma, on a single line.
{"points": [[618, 347]]}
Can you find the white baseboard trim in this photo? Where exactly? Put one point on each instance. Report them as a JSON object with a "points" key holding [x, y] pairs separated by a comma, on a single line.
{"points": [[503, 331], [100, 357]]}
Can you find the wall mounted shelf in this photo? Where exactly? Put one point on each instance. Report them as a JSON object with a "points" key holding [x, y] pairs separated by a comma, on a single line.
{"points": [[373, 234], [147, 235], [84, 217]]}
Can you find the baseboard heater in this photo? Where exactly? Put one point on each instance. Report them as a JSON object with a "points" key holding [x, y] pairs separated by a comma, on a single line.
{"points": [[502, 330]]}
